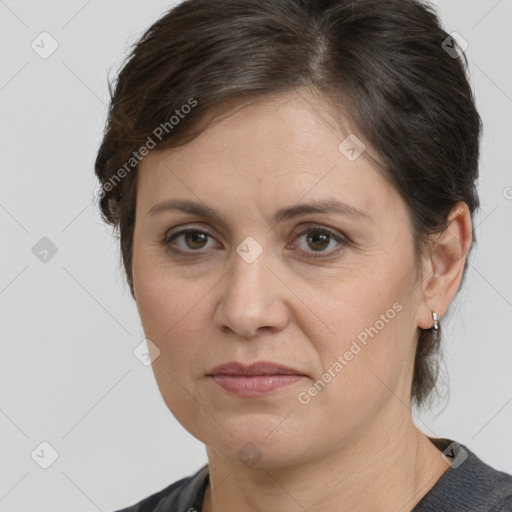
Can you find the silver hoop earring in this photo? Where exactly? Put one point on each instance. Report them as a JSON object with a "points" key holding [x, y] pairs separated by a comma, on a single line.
{"points": [[435, 330]]}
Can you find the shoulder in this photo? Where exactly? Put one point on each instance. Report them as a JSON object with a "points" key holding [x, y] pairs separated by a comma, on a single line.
{"points": [[469, 484], [183, 495]]}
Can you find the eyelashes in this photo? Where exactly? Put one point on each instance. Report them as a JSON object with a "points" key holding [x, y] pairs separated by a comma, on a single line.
{"points": [[319, 235], [191, 234], [194, 242]]}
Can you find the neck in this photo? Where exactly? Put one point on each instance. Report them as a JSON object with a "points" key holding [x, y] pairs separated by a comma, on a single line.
{"points": [[382, 470]]}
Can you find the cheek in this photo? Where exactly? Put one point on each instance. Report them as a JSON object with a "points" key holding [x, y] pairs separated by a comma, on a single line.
{"points": [[164, 304], [371, 321], [163, 298], [169, 313], [176, 316], [172, 316]]}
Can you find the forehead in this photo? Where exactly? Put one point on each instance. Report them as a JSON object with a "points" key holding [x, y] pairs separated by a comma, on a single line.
{"points": [[280, 149]]}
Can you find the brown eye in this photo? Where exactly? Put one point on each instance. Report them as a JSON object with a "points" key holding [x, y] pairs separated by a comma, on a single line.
{"points": [[195, 239], [318, 239], [192, 240]]}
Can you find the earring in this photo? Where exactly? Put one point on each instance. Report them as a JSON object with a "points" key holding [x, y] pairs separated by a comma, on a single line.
{"points": [[435, 331]]}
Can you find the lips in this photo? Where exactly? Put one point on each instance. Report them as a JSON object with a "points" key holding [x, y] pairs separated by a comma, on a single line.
{"points": [[257, 368], [254, 380]]}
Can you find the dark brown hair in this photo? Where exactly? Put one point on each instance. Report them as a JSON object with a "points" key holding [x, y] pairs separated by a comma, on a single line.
{"points": [[384, 62]]}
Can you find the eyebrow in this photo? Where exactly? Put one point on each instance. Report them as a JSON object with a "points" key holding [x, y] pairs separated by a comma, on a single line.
{"points": [[325, 206]]}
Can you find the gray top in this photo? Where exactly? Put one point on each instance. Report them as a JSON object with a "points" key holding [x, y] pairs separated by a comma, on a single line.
{"points": [[468, 485]]}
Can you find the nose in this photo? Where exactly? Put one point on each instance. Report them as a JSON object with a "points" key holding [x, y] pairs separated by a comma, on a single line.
{"points": [[252, 299]]}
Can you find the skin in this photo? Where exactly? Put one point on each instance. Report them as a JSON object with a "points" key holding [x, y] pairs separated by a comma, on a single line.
{"points": [[354, 446]]}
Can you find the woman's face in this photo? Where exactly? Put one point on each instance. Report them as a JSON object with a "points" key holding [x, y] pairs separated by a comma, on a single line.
{"points": [[339, 305]]}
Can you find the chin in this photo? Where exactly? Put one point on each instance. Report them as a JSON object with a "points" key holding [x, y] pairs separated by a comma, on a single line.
{"points": [[259, 442]]}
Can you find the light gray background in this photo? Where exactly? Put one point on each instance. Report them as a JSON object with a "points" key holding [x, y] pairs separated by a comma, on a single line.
{"points": [[69, 326]]}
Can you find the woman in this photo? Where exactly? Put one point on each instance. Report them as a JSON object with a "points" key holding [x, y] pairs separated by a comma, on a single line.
{"points": [[294, 186]]}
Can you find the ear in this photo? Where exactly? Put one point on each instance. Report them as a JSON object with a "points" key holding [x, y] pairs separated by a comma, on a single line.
{"points": [[443, 268]]}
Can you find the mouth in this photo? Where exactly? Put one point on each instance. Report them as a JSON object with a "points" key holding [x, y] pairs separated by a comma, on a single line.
{"points": [[254, 380]]}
